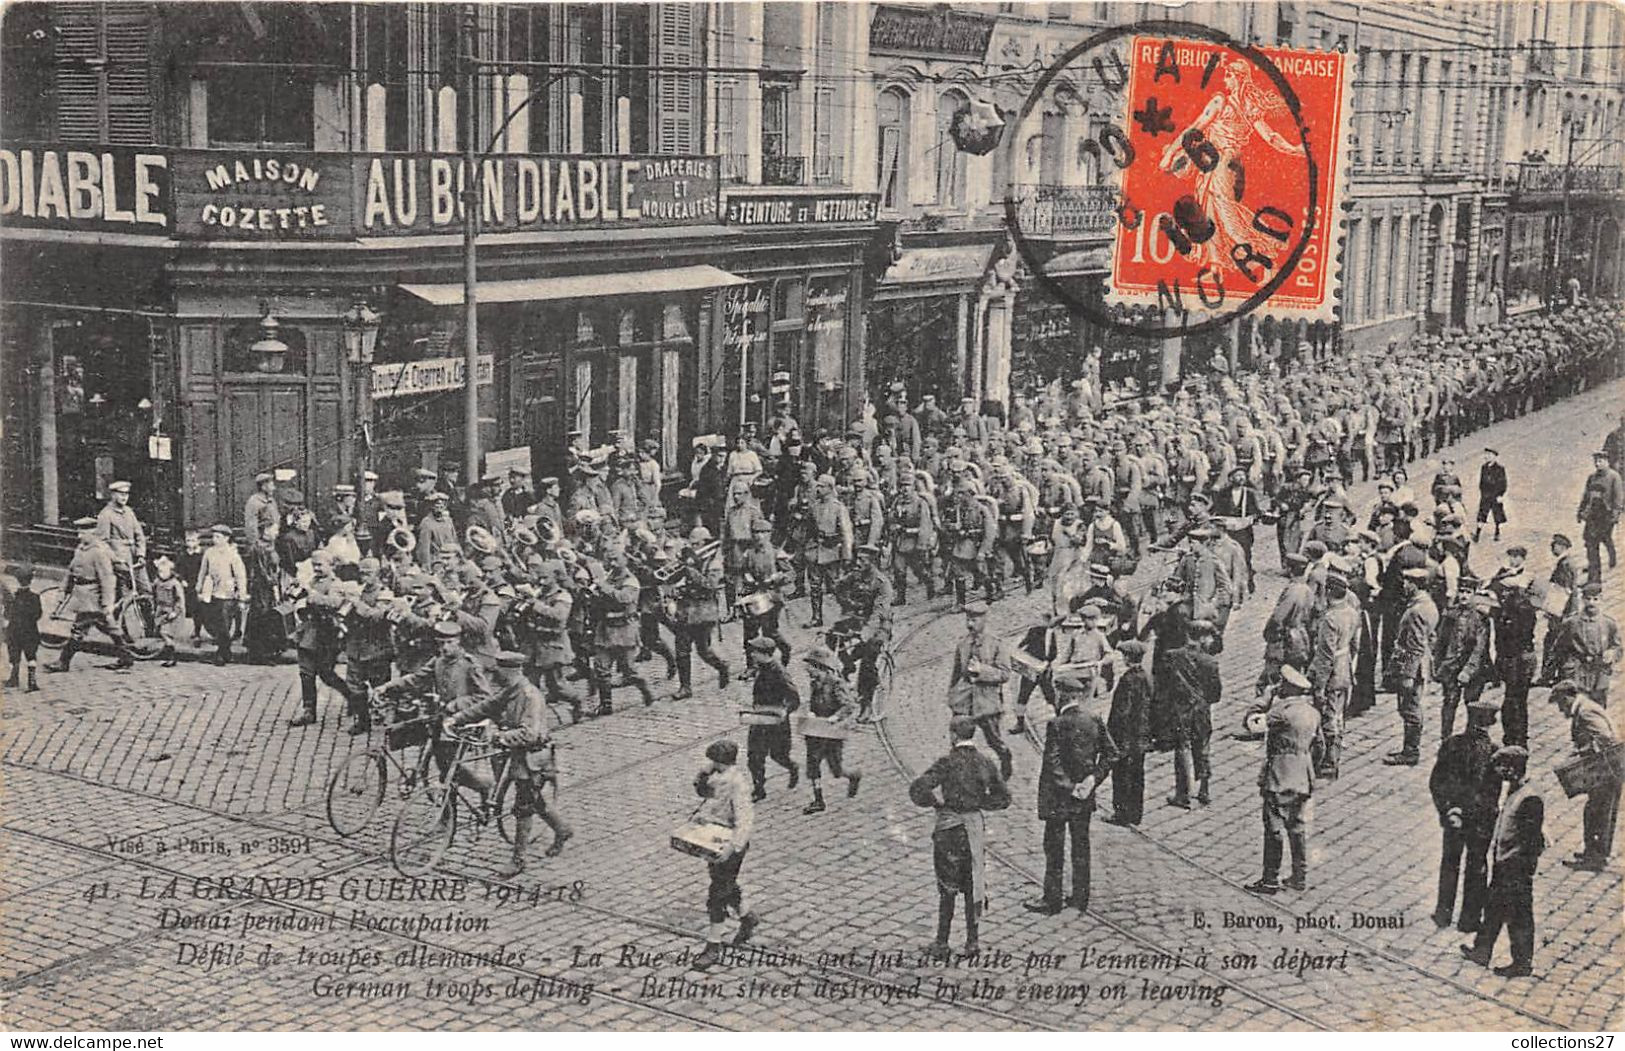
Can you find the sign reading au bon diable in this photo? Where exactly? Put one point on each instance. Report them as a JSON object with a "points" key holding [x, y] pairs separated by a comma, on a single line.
{"points": [[414, 193]]}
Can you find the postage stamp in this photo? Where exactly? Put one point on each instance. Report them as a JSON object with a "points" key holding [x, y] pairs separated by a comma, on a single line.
{"points": [[1245, 175]]}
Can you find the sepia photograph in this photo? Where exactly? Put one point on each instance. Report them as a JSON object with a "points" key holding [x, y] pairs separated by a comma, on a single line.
{"points": [[811, 516]]}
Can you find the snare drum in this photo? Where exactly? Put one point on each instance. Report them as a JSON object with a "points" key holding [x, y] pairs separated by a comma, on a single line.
{"points": [[757, 604]]}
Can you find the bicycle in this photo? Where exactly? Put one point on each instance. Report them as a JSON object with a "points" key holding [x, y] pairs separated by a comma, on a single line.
{"points": [[133, 615], [427, 823], [356, 790], [847, 645]]}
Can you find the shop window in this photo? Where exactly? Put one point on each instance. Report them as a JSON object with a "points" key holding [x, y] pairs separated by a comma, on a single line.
{"points": [[892, 180], [950, 161], [240, 355], [103, 413]]}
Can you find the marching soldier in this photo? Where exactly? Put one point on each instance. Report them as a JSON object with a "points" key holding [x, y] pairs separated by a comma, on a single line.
{"points": [[829, 699], [913, 520], [92, 591], [546, 509], [763, 576], [739, 534], [829, 544], [126, 540], [969, 530], [651, 566], [545, 638], [318, 640], [616, 640], [699, 594], [368, 642], [868, 509], [865, 597], [1015, 500]]}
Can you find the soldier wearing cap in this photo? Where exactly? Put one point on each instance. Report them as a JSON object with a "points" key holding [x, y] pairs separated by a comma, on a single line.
{"points": [[1602, 501], [260, 512], [830, 699], [829, 545], [126, 540], [699, 595], [1287, 631], [764, 573], [519, 711], [437, 533], [970, 529], [1517, 840], [1287, 781], [92, 592], [1462, 663], [369, 514], [913, 524], [1334, 662], [1186, 685], [865, 598], [318, 639], [739, 521], [367, 614], [1588, 645], [959, 787], [616, 638], [1465, 793], [982, 664], [1414, 640]]}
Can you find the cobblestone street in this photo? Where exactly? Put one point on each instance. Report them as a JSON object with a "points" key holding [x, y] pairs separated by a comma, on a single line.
{"points": [[133, 796]]}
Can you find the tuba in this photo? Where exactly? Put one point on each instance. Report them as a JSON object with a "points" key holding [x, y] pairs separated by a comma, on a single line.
{"points": [[480, 540], [400, 539]]}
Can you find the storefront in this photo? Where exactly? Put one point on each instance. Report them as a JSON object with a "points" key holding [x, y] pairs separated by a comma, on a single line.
{"points": [[936, 312]]}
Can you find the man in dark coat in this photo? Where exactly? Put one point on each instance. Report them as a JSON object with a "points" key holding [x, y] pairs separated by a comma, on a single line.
{"points": [[1287, 780], [1185, 685], [1078, 755], [1516, 843], [959, 786], [1130, 727], [1492, 489], [772, 694], [1465, 793]]}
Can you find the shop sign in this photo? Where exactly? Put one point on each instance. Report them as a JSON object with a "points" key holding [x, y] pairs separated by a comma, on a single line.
{"points": [[399, 379], [745, 318], [423, 193], [936, 32], [108, 188], [801, 209], [826, 325], [231, 195], [923, 265]]}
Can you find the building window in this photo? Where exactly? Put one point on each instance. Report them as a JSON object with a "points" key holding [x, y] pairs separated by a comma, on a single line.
{"points": [[267, 105], [263, 108], [735, 165], [781, 166], [826, 166], [950, 160], [100, 73], [892, 182]]}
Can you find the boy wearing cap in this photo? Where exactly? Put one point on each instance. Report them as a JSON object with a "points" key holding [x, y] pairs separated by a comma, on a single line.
{"points": [[1465, 792], [959, 786], [772, 692], [22, 616], [726, 802], [1492, 490], [168, 607], [222, 586], [520, 712], [829, 698], [1516, 842], [1591, 730]]}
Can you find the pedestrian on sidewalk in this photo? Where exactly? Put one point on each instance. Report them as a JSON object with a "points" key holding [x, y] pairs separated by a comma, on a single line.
{"points": [[960, 786], [1129, 724], [1516, 844], [22, 617]]}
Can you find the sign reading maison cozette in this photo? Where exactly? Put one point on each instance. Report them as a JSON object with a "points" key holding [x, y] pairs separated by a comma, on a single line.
{"points": [[239, 195]]}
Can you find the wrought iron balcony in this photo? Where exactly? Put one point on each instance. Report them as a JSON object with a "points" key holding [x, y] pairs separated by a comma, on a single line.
{"points": [[1542, 58], [784, 171], [1065, 211], [1540, 177]]}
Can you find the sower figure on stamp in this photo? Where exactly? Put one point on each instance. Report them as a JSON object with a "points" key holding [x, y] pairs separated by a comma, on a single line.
{"points": [[1465, 792], [1516, 843], [960, 786], [1078, 756], [1287, 780]]}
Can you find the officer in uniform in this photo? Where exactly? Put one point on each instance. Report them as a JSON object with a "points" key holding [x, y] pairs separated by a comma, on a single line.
{"points": [[829, 698], [616, 639], [762, 579], [520, 712], [829, 544], [92, 591], [126, 540], [318, 640], [969, 530], [976, 686], [699, 595], [913, 521], [865, 597]]}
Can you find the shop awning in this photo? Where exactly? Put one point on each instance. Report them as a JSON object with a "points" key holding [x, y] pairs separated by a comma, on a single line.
{"points": [[582, 286], [963, 265], [1085, 261]]}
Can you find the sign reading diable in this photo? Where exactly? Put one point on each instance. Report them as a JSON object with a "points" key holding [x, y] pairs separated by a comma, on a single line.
{"points": [[418, 193], [102, 188]]}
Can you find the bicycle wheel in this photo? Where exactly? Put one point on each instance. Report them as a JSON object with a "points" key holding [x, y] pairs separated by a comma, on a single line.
{"points": [[56, 625], [356, 791], [504, 817], [423, 830], [135, 619]]}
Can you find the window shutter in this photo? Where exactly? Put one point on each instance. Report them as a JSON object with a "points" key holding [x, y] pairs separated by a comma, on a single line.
{"points": [[102, 88], [676, 95]]}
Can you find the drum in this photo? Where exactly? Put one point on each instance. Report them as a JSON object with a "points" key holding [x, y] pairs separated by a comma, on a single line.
{"points": [[757, 604], [819, 727], [702, 841]]}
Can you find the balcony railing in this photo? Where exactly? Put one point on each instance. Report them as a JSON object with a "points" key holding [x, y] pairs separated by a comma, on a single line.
{"points": [[735, 168], [1542, 58], [783, 171], [1065, 211], [1543, 177]]}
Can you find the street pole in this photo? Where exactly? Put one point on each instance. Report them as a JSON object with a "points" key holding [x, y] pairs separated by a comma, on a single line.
{"points": [[471, 204]]}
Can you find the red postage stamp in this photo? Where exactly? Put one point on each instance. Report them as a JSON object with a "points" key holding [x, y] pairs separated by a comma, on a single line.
{"points": [[1233, 204]]}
